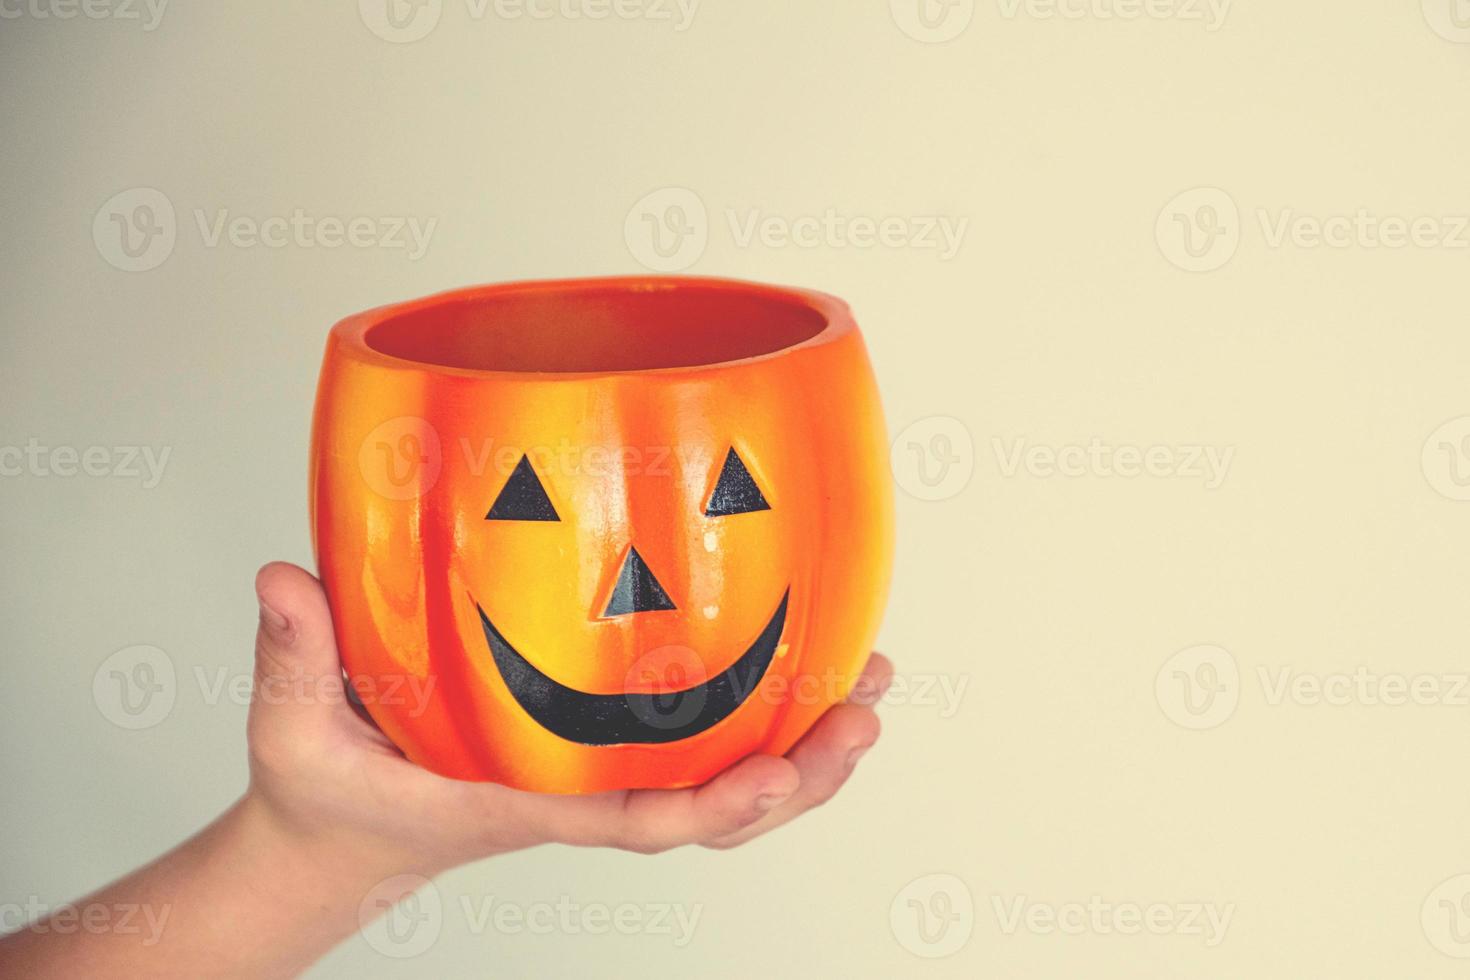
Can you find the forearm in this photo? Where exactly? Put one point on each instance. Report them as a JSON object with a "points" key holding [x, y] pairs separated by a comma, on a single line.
{"points": [[243, 898]]}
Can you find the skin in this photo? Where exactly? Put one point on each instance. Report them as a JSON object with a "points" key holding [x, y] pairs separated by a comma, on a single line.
{"points": [[334, 812]]}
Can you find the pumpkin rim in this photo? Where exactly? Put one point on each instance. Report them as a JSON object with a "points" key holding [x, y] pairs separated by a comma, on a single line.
{"points": [[352, 336]]}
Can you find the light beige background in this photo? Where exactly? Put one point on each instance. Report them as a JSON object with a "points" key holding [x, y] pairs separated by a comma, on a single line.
{"points": [[1083, 762]]}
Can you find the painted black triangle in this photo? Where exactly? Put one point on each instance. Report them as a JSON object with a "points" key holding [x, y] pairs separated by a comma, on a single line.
{"points": [[735, 492], [523, 498], [637, 590]]}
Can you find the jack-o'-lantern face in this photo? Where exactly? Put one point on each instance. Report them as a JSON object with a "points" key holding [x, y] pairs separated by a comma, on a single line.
{"points": [[602, 535], [633, 589]]}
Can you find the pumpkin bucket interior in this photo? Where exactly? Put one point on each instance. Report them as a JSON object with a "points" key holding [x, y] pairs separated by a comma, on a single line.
{"points": [[597, 328]]}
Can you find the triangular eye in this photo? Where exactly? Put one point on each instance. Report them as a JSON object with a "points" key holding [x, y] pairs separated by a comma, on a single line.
{"points": [[736, 492], [523, 498]]}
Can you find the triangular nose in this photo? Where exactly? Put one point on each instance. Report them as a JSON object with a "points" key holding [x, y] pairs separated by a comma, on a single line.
{"points": [[637, 590]]}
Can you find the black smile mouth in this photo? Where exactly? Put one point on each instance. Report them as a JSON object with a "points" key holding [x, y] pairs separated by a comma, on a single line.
{"points": [[620, 719]]}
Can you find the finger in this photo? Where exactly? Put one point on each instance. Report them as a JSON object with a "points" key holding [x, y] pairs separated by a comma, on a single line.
{"points": [[873, 682], [657, 820], [298, 675], [825, 759], [829, 753], [650, 821]]}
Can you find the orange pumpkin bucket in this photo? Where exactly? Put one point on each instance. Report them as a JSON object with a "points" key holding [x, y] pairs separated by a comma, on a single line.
{"points": [[601, 534]]}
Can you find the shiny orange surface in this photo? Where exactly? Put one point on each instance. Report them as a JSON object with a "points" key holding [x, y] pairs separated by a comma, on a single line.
{"points": [[626, 396]]}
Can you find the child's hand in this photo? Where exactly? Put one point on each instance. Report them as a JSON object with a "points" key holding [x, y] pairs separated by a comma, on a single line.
{"points": [[327, 774], [337, 824]]}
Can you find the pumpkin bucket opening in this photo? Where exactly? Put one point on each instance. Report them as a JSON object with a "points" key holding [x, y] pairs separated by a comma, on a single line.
{"points": [[607, 326]]}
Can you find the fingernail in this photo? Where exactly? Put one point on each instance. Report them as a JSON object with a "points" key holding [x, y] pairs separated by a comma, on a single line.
{"points": [[856, 754], [769, 801], [272, 618]]}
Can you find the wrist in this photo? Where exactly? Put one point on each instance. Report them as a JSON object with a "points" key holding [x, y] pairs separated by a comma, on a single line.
{"points": [[326, 856], [297, 892]]}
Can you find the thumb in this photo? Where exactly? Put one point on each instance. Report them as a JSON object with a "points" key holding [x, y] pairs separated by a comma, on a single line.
{"points": [[298, 675]]}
